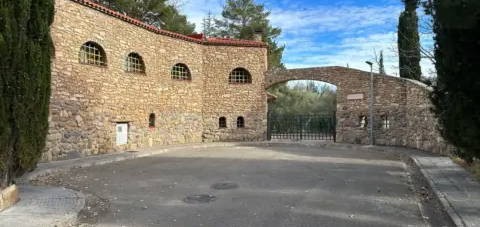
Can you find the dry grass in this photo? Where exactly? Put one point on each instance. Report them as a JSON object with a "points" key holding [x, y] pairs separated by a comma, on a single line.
{"points": [[474, 168]]}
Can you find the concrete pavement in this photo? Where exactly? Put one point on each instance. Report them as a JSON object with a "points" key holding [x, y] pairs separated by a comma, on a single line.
{"points": [[278, 185], [263, 191], [43, 206]]}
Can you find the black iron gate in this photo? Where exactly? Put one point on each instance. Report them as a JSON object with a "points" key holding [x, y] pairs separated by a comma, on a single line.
{"points": [[302, 127]]}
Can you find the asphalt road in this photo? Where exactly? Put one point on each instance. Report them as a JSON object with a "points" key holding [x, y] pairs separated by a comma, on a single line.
{"points": [[276, 186]]}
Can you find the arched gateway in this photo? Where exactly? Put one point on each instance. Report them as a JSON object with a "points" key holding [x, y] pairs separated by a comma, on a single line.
{"points": [[401, 107]]}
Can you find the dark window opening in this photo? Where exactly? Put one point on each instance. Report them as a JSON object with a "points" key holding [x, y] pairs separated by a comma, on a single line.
{"points": [[222, 122], [240, 76], [240, 122], [151, 120]]}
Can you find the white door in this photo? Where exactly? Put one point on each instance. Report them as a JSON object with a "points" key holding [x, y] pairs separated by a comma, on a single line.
{"points": [[122, 133]]}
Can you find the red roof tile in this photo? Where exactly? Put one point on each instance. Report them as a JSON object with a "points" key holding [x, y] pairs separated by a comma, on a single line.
{"points": [[197, 38]]}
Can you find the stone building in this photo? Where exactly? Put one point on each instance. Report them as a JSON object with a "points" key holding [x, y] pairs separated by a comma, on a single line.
{"points": [[118, 83]]}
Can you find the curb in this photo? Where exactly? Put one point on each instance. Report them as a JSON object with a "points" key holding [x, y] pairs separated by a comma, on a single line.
{"points": [[441, 196], [45, 169]]}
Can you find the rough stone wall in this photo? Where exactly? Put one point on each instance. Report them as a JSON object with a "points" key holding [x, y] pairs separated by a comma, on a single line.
{"points": [[87, 101], [405, 102], [423, 133], [222, 99]]}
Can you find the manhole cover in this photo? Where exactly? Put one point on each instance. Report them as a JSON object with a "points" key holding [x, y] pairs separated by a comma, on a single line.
{"points": [[132, 151], [224, 185], [202, 198]]}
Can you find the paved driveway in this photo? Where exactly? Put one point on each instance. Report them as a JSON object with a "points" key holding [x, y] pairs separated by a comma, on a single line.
{"points": [[281, 185]]}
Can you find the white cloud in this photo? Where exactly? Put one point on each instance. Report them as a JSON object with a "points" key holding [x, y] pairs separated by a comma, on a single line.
{"points": [[351, 51], [332, 18]]}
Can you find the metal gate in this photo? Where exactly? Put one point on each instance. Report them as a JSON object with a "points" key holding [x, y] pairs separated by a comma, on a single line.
{"points": [[302, 127]]}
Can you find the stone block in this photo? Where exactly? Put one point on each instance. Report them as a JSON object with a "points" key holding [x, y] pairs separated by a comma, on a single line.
{"points": [[8, 197]]}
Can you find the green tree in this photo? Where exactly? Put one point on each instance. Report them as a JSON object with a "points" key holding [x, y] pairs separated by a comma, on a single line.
{"points": [[302, 99], [26, 49], [242, 19], [154, 12], [456, 95], [409, 42], [208, 25]]}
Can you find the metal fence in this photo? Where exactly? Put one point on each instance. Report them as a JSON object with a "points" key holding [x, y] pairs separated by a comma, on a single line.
{"points": [[302, 127]]}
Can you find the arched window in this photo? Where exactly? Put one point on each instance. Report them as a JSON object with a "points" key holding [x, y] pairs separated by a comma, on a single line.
{"points": [[151, 120], [222, 122], [134, 63], [240, 76], [93, 54], [240, 122], [181, 72]]}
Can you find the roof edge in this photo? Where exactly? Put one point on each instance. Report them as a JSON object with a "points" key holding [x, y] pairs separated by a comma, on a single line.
{"points": [[151, 28]]}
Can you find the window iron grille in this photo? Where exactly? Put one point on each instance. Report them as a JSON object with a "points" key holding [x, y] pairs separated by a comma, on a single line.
{"points": [[92, 54], [240, 76], [385, 122], [134, 63], [181, 72]]}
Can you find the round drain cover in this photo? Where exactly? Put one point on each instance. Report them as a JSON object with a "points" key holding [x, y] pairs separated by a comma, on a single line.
{"points": [[224, 186], [202, 198]]}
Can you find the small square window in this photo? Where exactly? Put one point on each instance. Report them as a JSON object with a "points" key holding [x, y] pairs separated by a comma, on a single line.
{"points": [[240, 122], [222, 122]]}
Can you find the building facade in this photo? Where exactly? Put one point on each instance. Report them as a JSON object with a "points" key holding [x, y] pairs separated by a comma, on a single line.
{"points": [[120, 84]]}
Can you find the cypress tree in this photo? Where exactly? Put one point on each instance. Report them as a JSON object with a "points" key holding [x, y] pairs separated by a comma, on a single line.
{"points": [[409, 42], [456, 95], [381, 66], [26, 49]]}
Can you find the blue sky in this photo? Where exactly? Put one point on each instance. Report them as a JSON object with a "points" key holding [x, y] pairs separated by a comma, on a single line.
{"points": [[328, 32]]}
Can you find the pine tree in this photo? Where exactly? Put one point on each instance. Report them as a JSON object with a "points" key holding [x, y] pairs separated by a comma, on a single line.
{"points": [[208, 25], [154, 12], [242, 19], [456, 95], [26, 49], [409, 42]]}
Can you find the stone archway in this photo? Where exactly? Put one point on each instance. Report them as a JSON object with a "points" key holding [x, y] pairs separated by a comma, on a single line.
{"points": [[401, 106]]}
